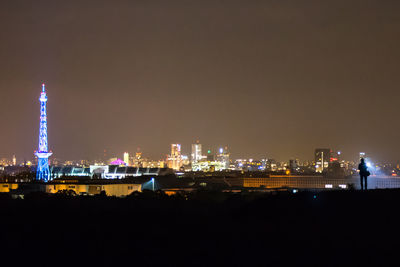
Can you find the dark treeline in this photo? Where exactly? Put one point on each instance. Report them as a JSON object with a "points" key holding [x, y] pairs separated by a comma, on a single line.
{"points": [[203, 229]]}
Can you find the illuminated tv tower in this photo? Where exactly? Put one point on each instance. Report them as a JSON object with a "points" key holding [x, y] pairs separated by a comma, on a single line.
{"points": [[43, 171]]}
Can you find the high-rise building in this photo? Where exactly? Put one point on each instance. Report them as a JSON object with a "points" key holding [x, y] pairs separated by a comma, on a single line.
{"points": [[126, 159], [322, 158], [14, 160], [175, 150], [223, 157], [175, 159], [43, 154], [138, 160], [196, 152]]}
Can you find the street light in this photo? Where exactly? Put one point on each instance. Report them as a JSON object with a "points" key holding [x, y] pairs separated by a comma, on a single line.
{"points": [[152, 181]]}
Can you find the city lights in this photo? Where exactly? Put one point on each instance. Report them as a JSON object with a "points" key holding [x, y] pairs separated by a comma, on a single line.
{"points": [[199, 133]]}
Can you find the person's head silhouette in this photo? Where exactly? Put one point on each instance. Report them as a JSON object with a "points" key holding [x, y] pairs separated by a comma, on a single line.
{"points": [[362, 160]]}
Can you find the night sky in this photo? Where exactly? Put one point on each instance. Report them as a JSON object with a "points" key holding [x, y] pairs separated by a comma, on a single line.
{"points": [[272, 79]]}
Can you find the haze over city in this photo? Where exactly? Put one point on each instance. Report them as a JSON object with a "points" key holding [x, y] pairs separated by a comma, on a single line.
{"points": [[199, 133], [270, 79]]}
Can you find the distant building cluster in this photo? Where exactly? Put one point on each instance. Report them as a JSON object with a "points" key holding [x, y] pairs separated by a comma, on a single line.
{"points": [[177, 161], [326, 161], [198, 161], [210, 168]]}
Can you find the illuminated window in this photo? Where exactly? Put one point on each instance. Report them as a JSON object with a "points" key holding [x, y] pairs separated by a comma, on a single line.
{"points": [[328, 186]]}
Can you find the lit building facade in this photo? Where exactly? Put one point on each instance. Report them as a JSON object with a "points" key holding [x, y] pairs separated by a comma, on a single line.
{"points": [[223, 157], [107, 171], [208, 166], [147, 163], [249, 165], [175, 159], [196, 152], [322, 159], [5, 162], [138, 161], [126, 158]]}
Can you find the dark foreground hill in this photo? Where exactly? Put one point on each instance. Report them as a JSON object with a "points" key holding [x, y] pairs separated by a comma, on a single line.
{"points": [[203, 229]]}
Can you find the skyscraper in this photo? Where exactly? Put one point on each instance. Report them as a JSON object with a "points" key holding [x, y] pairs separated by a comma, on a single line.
{"points": [[175, 159], [223, 157], [175, 150], [126, 159], [322, 158], [196, 152], [43, 154], [138, 161]]}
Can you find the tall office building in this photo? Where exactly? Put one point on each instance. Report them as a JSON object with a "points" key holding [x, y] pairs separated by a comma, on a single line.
{"points": [[223, 157], [175, 159], [196, 152], [138, 160], [175, 150], [322, 159], [43, 171], [14, 160], [126, 159]]}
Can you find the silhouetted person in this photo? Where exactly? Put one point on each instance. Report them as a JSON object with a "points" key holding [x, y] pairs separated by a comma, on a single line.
{"points": [[364, 173]]}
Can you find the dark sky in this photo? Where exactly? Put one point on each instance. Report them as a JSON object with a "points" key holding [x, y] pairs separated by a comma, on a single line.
{"points": [[266, 78]]}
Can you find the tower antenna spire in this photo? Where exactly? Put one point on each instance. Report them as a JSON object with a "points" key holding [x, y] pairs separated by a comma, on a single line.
{"points": [[43, 154]]}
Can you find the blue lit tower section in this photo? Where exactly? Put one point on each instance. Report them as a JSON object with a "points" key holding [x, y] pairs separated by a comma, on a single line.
{"points": [[43, 154]]}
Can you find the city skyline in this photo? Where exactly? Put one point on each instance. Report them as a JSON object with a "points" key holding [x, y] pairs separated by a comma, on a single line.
{"points": [[268, 79], [185, 155], [199, 133], [176, 151]]}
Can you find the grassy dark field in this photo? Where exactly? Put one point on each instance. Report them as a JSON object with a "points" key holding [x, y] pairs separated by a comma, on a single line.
{"points": [[204, 229]]}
